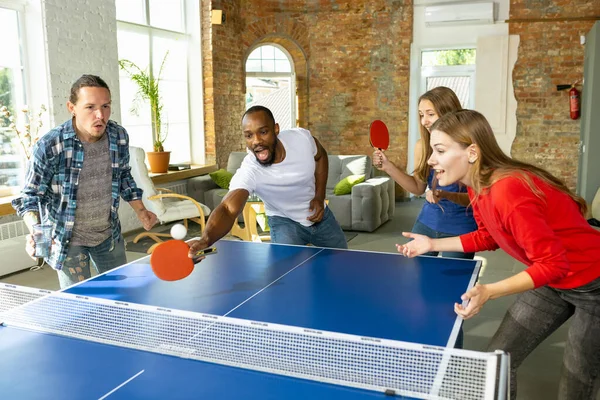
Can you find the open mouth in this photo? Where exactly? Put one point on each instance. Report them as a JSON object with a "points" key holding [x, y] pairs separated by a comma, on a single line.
{"points": [[262, 153], [439, 173]]}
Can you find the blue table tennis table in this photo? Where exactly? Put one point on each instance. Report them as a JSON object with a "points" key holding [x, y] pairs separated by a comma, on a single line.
{"points": [[367, 294]]}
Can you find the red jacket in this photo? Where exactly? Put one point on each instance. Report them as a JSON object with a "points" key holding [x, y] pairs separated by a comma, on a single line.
{"points": [[548, 234]]}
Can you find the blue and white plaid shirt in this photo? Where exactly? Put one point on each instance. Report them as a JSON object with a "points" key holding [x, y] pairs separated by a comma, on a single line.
{"points": [[53, 177]]}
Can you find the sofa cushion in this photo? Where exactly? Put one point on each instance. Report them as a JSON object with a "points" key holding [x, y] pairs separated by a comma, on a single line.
{"points": [[235, 160], [213, 197], [345, 185], [221, 177], [341, 167]]}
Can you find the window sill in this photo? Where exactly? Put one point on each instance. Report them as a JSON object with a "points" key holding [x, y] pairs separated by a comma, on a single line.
{"points": [[5, 207], [172, 176]]}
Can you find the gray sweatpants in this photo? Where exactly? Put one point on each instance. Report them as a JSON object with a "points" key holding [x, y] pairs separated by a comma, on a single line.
{"points": [[536, 314]]}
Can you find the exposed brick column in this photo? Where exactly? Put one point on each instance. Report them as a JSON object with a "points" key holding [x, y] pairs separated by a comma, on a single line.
{"points": [[208, 83], [224, 94]]}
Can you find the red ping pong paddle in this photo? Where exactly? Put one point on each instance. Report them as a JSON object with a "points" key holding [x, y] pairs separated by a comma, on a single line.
{"points": [[170, 261], [379, 136]]}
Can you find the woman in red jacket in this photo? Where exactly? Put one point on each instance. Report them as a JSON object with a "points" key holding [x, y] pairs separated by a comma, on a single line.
{"points": [[536, 219]]}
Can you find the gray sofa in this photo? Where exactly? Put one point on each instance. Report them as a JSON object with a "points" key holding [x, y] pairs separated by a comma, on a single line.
{"points": [[370, 204]]}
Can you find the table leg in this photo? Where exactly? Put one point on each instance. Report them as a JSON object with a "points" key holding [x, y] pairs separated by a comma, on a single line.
{"points": [[238, 231], [249, 232], [250, 221]]}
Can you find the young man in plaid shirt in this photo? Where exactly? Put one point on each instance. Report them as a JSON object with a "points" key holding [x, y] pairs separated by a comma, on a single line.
{"points": [[78, 172]]}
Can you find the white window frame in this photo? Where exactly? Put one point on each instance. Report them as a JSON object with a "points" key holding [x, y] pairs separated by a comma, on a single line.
{"points": [[33, 53], [19, 7], [291, 75], [191, 31], [34, 81], [450, 70]]}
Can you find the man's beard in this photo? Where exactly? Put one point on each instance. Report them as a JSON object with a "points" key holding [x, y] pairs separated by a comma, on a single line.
{"points": [[272, 152]]}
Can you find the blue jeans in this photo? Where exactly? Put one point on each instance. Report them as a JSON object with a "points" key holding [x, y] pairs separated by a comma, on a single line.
{"points": [[106, 256], [326, 233], [423, 229], [536, 314]]}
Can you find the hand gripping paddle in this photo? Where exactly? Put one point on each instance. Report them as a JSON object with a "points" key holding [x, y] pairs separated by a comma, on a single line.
{"points": [[170, 261], [379, 136]]}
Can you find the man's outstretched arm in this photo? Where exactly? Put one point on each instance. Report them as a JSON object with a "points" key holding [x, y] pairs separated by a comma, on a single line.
{"points": [[221, 220]]}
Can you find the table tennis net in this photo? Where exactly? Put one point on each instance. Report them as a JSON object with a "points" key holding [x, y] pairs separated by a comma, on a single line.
{"points": [[397, 368]]}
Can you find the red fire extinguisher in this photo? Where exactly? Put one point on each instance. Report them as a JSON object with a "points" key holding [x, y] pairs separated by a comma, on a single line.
{"points": [[574, 102]]}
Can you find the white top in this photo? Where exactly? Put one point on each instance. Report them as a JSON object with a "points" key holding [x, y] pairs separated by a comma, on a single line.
{"points": [[288, 187]]}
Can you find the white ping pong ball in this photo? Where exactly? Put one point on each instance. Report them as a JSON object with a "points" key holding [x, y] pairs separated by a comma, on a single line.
{"points": [[178, 231]]}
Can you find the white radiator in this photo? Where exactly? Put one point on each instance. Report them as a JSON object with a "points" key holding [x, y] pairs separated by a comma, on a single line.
{"points": [[180, 188], [12, 248], [11, 230]]}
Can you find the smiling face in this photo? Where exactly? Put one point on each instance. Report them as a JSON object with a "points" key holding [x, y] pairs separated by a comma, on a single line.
{"points": [[91, 112], [261, 133], [427, 114], [450, 160]]}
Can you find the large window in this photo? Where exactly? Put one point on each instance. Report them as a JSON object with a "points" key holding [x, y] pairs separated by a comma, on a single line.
{"points": [[12, 96], [149, 30], [270, 82]]}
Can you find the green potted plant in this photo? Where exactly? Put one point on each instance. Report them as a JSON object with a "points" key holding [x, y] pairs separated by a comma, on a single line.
{"points": [[149, 90]]}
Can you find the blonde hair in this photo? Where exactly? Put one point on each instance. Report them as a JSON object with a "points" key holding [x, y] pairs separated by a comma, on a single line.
{"points": [[444, 101], [468, 127]]}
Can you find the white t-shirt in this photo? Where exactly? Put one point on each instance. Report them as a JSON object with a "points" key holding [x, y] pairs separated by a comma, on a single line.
{"points": [[288, 187]]}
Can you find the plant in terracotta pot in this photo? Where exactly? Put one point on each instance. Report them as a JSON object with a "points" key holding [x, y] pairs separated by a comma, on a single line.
{"points": [[149, 90]]}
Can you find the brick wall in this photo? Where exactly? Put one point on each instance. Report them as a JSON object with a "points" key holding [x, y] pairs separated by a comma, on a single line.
{"points": [[549, 54], [81, 38], [351, 60]]}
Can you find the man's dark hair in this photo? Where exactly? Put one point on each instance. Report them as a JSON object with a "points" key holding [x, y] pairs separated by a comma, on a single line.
{"points": [[254, 109], [86, 81]]}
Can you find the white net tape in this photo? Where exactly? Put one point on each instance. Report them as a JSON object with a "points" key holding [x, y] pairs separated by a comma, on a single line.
{"points": [[400, 368], [12, 296]]}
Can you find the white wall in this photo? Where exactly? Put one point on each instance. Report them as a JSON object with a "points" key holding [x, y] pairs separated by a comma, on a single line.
{"points": [[80, 38], [440, 37]]}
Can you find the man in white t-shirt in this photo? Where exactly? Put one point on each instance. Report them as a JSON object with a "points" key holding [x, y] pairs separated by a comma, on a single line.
{"points": [[288, 171]]}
